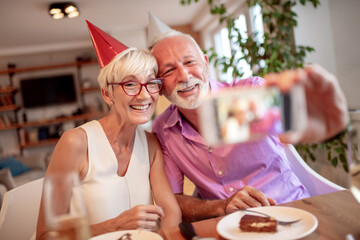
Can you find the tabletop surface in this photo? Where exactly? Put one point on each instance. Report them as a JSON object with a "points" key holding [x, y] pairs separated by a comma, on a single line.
{"points": [[338, 214]]}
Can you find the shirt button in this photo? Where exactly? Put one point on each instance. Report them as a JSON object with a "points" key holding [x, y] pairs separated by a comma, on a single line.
{"points": [[231, 189], [220, 173], [210, 149]]}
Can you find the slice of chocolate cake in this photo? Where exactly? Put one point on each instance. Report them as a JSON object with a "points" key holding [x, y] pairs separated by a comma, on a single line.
{"points": [[253, 223]]}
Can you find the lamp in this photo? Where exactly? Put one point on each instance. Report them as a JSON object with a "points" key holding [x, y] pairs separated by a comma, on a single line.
{"points": [[63, 9]]}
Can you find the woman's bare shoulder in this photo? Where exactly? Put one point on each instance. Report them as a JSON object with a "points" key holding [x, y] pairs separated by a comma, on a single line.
{"points": [[74, 138], [71, 151]]}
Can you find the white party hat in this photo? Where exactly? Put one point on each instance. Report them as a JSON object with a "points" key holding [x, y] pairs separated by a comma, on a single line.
{"points": [[156, 28]]}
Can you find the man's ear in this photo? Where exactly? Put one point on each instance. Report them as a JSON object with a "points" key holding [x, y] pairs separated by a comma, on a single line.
{"points": [[206, 61], [106, 96]]}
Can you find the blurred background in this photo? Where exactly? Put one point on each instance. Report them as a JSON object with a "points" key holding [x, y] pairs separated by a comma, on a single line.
{"points": [[33, 45]]}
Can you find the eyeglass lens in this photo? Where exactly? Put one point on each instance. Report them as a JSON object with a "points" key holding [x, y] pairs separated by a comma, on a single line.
{"points": [[134, 88]]}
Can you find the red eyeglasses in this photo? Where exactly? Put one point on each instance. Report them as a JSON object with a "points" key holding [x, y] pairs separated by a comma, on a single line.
{"points": [[134, 88]]}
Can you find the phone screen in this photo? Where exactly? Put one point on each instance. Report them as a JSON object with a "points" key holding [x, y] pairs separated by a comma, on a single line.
{"points": [[242, 114], [249, 115]]}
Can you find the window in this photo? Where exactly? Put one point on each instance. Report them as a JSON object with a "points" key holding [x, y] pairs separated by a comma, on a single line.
{"points": [[222, 47], [222, 43]]}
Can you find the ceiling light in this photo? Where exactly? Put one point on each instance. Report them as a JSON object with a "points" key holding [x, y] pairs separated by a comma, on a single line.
{"points": [[53, 11], [73, 14], [63, 9], [70, 9], [59, 15]]}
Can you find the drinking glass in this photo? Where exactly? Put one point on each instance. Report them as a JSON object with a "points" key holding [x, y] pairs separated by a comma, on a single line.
{"points": [[64, 208]]}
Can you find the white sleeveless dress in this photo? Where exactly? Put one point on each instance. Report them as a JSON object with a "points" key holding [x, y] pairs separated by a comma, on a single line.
{"points": [[106, 193]]}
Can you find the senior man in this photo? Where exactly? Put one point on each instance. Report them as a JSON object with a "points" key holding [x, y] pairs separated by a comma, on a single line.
{"points": [[228, 177]]}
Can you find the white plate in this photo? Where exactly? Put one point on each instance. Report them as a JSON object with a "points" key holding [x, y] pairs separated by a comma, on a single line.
{"points": [[135, 235], [228, 227]]}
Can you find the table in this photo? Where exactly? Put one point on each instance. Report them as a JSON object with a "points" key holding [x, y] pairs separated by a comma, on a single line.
{"points": [[338, 214]]}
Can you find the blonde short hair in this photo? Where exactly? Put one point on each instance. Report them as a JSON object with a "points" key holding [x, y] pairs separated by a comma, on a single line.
{"points": [[131, 61]]}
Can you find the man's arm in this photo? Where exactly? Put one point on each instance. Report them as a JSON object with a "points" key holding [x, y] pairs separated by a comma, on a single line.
{"points": [[195, 209]]}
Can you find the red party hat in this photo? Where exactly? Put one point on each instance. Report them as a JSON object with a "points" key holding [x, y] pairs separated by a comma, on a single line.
{"points": [[106, 47]]}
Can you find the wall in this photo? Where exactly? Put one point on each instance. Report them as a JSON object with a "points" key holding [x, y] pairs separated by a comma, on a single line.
{"points": [[345, 18], [314, 30], [333, 31], [132, 38]]}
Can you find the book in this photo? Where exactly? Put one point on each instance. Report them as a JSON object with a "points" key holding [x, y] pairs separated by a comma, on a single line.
{"points": [[6, 100], [3, 101], [6, 120], [9, 99]]}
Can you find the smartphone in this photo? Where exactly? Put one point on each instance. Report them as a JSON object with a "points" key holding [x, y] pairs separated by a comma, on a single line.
{"points": [[245, 114]]}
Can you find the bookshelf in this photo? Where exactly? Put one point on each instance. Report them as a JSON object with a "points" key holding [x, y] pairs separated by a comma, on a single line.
{"points": [[77, 118], [8, 105]]}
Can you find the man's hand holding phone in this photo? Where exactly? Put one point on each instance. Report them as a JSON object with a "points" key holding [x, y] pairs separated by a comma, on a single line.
{"points": [[326, 103]]}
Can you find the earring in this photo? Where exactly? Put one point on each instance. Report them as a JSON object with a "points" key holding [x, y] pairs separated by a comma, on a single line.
{"points": [[111, 103]]}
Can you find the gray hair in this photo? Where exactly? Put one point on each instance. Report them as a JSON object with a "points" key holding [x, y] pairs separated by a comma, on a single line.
{"points": [[131, 61], [174, 33]]}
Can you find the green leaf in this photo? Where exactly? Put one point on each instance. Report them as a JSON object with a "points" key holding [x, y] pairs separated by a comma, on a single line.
{"points": [[339, 150], [312, 157], [343, 158], [314, 146], [334, 161]]}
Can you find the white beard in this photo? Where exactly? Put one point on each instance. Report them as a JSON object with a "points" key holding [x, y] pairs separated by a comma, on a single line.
{"points": [[191, 102]]}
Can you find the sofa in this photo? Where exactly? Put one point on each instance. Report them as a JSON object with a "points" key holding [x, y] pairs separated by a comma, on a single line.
{"points": [[18, 170]]}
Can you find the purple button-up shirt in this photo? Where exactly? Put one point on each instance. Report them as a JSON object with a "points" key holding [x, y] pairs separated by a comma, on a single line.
{"points": [[219, 172]]}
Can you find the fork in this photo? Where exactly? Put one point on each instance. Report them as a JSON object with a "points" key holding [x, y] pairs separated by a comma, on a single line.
{"points": [[283, 223], [126, 236]]}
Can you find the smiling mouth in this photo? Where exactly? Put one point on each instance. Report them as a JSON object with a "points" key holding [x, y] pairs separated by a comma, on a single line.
{"points": [[188, 89], [140, 107]]}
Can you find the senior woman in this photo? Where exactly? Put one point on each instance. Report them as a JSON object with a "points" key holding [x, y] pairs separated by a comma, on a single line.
{"points": [[130, 158]]}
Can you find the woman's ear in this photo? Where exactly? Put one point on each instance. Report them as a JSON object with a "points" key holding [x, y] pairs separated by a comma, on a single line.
{"points": [[107, 97]]}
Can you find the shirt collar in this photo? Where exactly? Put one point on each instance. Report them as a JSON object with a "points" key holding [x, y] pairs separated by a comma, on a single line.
{"points": [[174, 117], [186, 130]]}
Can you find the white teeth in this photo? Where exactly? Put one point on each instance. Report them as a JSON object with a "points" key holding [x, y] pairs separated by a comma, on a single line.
{"points": [[188, 89], [140, 107]]}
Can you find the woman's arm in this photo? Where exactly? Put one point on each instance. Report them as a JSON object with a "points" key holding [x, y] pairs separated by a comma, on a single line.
{"points": [[162, 192], [140, 216]]}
